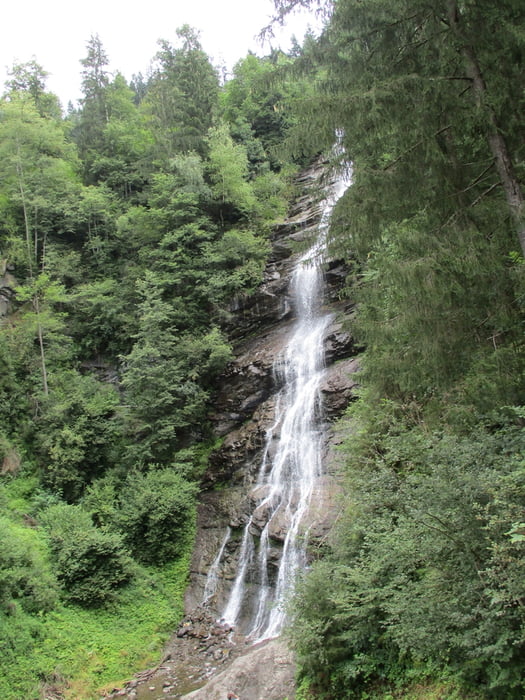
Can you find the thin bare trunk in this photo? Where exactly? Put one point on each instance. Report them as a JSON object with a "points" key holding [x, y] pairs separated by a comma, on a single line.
{"points": [[27, 226], [35, 229], [497, 144], [36, 303]]}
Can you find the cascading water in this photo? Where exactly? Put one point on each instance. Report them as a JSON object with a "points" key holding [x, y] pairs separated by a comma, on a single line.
{"points": [[292, 456], [213, 574]]}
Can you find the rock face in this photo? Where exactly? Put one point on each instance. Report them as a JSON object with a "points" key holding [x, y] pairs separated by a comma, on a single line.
{"points": [[7, 287], [265, 672], [244, 409], [270, 304]]}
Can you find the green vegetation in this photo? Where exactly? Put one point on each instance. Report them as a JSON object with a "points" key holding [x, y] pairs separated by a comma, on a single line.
{"points": [[90, 562], [84, 652], [420, 592], [154, 513], [424, 574], [126, 229]]}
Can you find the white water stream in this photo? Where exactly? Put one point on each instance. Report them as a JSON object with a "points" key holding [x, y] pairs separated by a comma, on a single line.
{"points": [[292, 457], [212, 578]]}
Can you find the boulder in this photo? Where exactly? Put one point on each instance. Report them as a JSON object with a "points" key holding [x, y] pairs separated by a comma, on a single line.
{"points": [[265, 672]]}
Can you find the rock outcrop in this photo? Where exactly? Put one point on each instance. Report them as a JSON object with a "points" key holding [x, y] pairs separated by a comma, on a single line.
{"points": [[7, 287], [265, 672]]}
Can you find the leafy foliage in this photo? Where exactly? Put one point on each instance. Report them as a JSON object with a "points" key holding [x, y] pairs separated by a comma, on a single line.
{"points": [[78, 433], [182, 96], [127, 228], [157, 514], [25, 573], [130, 226], [91, 563], [425, 573], [424, 98], [90, 651]]}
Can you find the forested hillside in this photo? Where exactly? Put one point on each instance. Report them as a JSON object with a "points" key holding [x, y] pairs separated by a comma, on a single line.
{"points": [[128, 226], [421, 591]]}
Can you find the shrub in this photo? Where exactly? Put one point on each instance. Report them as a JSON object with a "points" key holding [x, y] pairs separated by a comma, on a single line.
{"points": [[25, 574], [156, 515], [91, 563], [427, 569]]}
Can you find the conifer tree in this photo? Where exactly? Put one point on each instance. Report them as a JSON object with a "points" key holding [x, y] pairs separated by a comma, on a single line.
{"points": [[94, 113], [182, 95]]}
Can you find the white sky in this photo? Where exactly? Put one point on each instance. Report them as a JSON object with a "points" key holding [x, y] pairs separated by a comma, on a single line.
{"points": [[55, 33]]}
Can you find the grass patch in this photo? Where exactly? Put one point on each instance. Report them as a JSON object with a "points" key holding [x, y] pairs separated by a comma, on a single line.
{"points": [[429, 690], [85, 652]]}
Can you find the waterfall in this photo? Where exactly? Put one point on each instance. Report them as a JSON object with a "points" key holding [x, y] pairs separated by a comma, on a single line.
{"points": [[213, 574], [292, 457]]}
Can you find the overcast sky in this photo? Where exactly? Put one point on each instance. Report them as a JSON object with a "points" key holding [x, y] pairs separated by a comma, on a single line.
{"points": [[55, 32]]}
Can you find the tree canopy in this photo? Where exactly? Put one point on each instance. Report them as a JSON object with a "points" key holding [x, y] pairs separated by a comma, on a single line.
{"points": [[127, 228]]}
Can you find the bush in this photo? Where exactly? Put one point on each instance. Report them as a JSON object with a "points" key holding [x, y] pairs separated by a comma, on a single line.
{"points": [[77, 433], [157, 515], [25, 574], [427, 571], [91, 563]]}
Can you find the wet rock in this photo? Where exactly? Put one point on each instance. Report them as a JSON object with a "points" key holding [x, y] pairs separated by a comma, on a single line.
{"points": [[323, 512], [338, 343], [239, 454], [248, 381], [278, 526], [8, 284], [260, 517], [336, 273], [338, 387], [259, 494]]}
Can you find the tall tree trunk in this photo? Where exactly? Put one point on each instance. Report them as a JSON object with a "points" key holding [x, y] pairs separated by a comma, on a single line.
{"points": [[36, 303], [497, 144], [27, 226]]}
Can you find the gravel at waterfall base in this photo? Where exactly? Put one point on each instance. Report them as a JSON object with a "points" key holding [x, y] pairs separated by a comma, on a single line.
{"points": [[204, 654]]}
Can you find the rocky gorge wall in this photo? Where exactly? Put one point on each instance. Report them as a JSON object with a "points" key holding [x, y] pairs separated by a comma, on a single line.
{"points": [[7, 287], [245, 403]]}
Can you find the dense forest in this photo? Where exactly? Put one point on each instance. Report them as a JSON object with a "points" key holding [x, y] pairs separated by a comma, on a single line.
{"points": [[127, 227]]}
